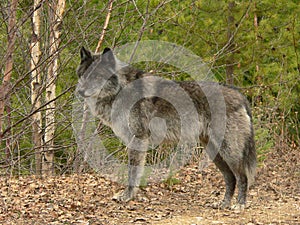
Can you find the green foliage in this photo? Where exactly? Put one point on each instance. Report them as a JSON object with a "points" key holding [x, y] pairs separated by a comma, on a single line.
{"points": [[264, 142]]}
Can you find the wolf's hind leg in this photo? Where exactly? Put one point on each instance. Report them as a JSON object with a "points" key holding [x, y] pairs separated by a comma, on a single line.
{"points": [[242, 183], [230, 182], [136, 162]]}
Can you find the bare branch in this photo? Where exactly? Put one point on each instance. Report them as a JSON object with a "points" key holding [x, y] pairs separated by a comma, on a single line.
{"points": [[110, 6]]}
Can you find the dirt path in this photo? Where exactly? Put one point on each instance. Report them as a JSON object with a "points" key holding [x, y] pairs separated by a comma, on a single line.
{"points": [[86, 198]]}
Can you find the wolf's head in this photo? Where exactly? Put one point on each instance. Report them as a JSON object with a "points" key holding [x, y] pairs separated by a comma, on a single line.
{"points": [[97, 74]]}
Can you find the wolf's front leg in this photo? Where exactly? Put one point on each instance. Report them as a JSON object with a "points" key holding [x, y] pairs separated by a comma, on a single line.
{"points": [[136, 162]]}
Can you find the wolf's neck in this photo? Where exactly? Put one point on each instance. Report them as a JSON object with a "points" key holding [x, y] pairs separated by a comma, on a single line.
{"points": [[104, 107]]}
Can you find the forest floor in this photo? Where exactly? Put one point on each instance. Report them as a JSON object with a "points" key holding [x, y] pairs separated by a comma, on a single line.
{"points": [[86, 198]]}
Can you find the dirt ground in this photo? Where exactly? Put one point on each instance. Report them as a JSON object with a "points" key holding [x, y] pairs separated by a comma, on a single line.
{"points": [[86, 198]]}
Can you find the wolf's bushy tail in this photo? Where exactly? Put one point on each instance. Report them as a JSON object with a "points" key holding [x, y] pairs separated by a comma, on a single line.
{"points": [[250, 160]]}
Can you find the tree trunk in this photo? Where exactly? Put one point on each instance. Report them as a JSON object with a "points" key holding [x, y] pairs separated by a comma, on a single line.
{"points": [[36, 86], [5, 87], [230, 40], [256, 40], [56, 10], [258, 77]]}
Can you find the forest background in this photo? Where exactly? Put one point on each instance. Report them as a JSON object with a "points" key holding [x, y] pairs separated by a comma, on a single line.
{"points": [[253, 45]]}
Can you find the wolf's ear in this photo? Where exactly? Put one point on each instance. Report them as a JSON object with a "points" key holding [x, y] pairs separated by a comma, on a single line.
{"points": [[85, 54], [108, 56], [106, 50]]}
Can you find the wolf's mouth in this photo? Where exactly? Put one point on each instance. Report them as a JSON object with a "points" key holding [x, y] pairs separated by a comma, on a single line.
{"points": [[85, 94]]}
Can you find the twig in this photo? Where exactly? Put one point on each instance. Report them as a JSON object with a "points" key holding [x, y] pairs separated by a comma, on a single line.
{"points": [[143, 27], [110, 5], [229, 41], [35, 111]]}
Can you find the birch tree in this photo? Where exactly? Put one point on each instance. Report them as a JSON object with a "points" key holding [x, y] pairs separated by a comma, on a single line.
{"points": [[56, 9], [36, 85]]}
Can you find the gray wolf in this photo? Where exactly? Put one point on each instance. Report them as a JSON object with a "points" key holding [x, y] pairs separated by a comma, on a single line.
{"points": [[103, 79]]}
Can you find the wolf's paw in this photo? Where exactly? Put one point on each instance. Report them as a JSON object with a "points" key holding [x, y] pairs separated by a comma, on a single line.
{"points": [[122, 197], [238, 207], [221, 205], [126, 195]]}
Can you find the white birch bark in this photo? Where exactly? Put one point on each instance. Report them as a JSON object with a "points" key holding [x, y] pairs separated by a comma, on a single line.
{"points": [[36, 86], [56, 9]]}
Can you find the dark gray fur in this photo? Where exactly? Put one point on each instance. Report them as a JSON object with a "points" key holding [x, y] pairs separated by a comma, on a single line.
{"points": [[103, 76]]}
